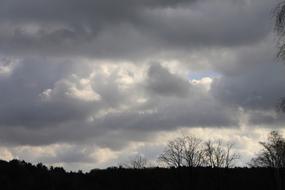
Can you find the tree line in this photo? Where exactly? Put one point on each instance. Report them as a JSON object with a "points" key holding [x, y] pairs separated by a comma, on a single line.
{"points": [[15, 175], [190, 151]]}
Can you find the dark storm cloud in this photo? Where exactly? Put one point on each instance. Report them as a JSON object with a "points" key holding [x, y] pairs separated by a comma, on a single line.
{"points": [[55, 27], [56, 10], [128, 28], [254, 81], [253, 89]]}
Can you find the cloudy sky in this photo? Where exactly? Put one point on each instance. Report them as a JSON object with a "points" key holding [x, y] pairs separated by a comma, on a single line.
{"points": [[91, 83]]}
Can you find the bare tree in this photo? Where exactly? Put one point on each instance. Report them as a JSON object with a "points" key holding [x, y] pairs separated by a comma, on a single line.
{"points": [[193, 152], [230, 157], [272, 153], [218, 155], [173, 155], [213, 154], [138, 162]]}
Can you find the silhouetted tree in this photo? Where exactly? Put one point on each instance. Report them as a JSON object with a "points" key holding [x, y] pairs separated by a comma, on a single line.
{"points": [[216, 154], [230, 157], [272, 153], [193, 153], [138, 162], [173, 155]]}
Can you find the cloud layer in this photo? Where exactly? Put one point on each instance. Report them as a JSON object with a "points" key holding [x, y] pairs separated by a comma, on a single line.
{"points": [[84, 83]]}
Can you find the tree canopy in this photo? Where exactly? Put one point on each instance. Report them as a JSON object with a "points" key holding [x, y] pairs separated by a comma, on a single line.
{"points": [[272, 153]]}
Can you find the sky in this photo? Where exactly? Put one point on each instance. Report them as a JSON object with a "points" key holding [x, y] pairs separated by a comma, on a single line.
{"points": [[92, 83]]}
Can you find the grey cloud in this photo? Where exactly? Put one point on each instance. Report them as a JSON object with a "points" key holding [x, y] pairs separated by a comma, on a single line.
{"points": [[254, 82], [170, 105], [126, 29], [214, 23], [108, 89], [72, 9], [160, 81], [267, 119], [167, 116], [64, 119], [58, 25], [258, 88], [21, 103], [49, 38]]}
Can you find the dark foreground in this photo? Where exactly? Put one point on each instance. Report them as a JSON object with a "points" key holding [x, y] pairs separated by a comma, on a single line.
{"points": [[21, 175]]}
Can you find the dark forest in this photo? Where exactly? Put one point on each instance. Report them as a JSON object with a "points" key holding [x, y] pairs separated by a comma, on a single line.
{"points": [[18, 174]]}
